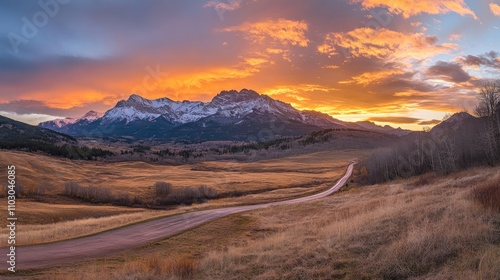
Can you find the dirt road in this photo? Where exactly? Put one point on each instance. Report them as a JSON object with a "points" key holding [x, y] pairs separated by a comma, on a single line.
{"points": [[114, 241]]}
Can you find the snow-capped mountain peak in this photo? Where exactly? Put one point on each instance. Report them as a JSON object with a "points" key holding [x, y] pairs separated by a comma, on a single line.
{"points": [[227, 103], [64, 122], [230, 113], [61, 123], [91, 116]]}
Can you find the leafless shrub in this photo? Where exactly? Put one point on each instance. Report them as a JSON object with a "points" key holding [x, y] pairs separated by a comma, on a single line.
{"points": [[98, 195], [187, 195], [36, 192], [90, 194], [162, 189]]}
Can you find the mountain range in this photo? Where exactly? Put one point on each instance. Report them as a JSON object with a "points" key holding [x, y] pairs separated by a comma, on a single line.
{"points": [[231, 115]]}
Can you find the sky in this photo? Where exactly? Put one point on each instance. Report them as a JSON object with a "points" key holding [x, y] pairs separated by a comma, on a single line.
{"points": [[398, 62]]}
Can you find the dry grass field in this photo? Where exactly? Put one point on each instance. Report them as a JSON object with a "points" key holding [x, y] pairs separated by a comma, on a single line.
{"points": [[424, 228], [59, 218], [136, 178]]}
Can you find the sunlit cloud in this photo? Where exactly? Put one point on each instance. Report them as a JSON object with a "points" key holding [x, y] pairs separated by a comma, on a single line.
{"points": [[283, 31], [409, 8], [331, 67], [298, 95], [316, 55], [384, 44], [373, 77], [33, 119], [495, 9], [190, 83], [297, 89], [396, 119]]}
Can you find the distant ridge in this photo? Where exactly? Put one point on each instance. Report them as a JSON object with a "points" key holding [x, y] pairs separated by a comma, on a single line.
{"points": [[16, 135]]}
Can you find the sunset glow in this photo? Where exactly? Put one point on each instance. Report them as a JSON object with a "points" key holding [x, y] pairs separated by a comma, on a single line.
{"points": [[402, 63]]}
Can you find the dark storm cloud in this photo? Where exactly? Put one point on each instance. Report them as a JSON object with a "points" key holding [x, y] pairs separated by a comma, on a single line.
{"points": [[447, 71], [40, 107], [489, 59]]}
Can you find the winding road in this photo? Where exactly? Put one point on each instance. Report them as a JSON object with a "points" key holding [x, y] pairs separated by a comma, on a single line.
{"points": [[114, 241]]}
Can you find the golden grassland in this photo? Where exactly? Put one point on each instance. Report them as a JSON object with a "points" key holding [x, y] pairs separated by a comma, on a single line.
{"points": [[136, 178], [65, 218], [423, 228]]}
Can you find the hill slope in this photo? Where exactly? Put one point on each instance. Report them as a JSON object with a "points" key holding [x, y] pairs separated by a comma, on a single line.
{"points": [[16, 135]]}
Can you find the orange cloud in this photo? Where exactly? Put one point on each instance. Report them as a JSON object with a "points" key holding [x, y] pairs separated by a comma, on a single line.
{"points": [[495, 9], [385, 44], [409, 8], [297, 89], [68, 101], [395, 119], [191, 83], [283, 31], [373, 77], [298, 95], [327, 48]]}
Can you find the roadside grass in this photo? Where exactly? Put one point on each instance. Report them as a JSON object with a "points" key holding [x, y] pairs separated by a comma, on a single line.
{"points": [[382, 232], [436, 231], [172, 258], [46, 233]]}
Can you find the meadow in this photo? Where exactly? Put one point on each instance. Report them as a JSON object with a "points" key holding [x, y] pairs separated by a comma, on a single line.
{"points": [[427, 227], [52, 216]]}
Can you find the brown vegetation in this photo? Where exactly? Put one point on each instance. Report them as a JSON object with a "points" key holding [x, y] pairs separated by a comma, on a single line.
{"points": [[488, 194], [50, 232], [388, 231], [234, 184], [138, 178], [186, 195], [98, 195]]}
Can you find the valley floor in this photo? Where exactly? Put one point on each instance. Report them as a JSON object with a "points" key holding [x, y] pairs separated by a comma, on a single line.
{"points": [[422, 228]]}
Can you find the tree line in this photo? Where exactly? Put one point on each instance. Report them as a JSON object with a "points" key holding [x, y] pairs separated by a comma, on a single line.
{"points": [[66, 150], [459, 143]]}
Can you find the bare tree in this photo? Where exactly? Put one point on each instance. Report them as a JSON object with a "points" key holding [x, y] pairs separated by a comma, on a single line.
{"points": [[489, 100], [489, 106]]}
